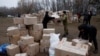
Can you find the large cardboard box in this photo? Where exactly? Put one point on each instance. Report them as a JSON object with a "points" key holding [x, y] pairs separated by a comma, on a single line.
{"points": [[37, 27], [44, 45], [13, 30], [67, 49], [37, 35], [12, 50], [21, 54], [23, 32], [18, 20], [33, 49], [48, 30], [46, 37], [27, 39], [30, 20], [14, 38]]}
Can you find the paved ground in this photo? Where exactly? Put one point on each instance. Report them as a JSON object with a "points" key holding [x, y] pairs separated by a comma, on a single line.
{"points": [[73, 32]]}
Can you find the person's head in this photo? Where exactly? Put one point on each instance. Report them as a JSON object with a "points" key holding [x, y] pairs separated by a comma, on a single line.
{"points": [[47, 12], [64, 12], [81, 27]]}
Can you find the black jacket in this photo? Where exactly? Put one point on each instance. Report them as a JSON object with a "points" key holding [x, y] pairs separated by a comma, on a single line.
{"points": [[89, 31]]}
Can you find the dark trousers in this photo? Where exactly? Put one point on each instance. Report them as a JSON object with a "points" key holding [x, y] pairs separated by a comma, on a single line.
{"points": [[86, 21], [94, 40], [44, 25]]}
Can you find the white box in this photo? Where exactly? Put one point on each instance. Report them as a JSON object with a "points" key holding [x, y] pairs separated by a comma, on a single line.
{"points": [[33, 49], [18, 20], [13, 30], [12, 50], [21, 54], [67, 49], [48, 30], [27, 39], [30, 20]]}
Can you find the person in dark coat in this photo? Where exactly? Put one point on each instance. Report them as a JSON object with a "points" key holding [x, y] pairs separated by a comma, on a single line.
{"points": [[88, 32], [85, 20], [87, 17], [46, 19]]}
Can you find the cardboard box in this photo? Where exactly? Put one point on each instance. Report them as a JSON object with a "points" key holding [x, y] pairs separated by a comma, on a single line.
{"points": [[46, 37], [18, 20], [30, 20], [23, 32], [37, 35], [67, 49], [48, 30], [14, 39], [21, 54], [21, 26], [13, 30], [44, 45], [27, 39], [12, 50], [33, 49], [37, 27]]}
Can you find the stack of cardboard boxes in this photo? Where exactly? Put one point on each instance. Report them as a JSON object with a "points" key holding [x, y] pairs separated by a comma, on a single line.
{"points": [[45, 42], [23, 35]]}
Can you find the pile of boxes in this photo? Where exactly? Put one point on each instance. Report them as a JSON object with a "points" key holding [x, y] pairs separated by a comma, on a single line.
{"points": [[66, 48], [23, 35], [28, 37], [45, 42]]}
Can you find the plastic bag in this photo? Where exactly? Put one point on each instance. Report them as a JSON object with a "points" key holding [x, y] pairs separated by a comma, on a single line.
{"points": [[54, 40]]}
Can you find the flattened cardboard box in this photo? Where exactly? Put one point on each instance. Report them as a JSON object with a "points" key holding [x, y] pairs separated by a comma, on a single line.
{"points": [[48, 30], [30, 20], [18, 20], [12, 50]]}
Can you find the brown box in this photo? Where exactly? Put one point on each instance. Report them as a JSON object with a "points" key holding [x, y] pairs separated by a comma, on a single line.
{"points": [[27, 39], [44, 45], [23, 32], [33, 49], [18, 20], [37, 35], [37, 27], [48, 30], [12, 50], [30, 20], [13, 31], [21, 54], [14, 39], [46, 37]]}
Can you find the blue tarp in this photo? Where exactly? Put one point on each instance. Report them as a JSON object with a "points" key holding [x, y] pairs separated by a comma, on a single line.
{"points": [[3, 48]]}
